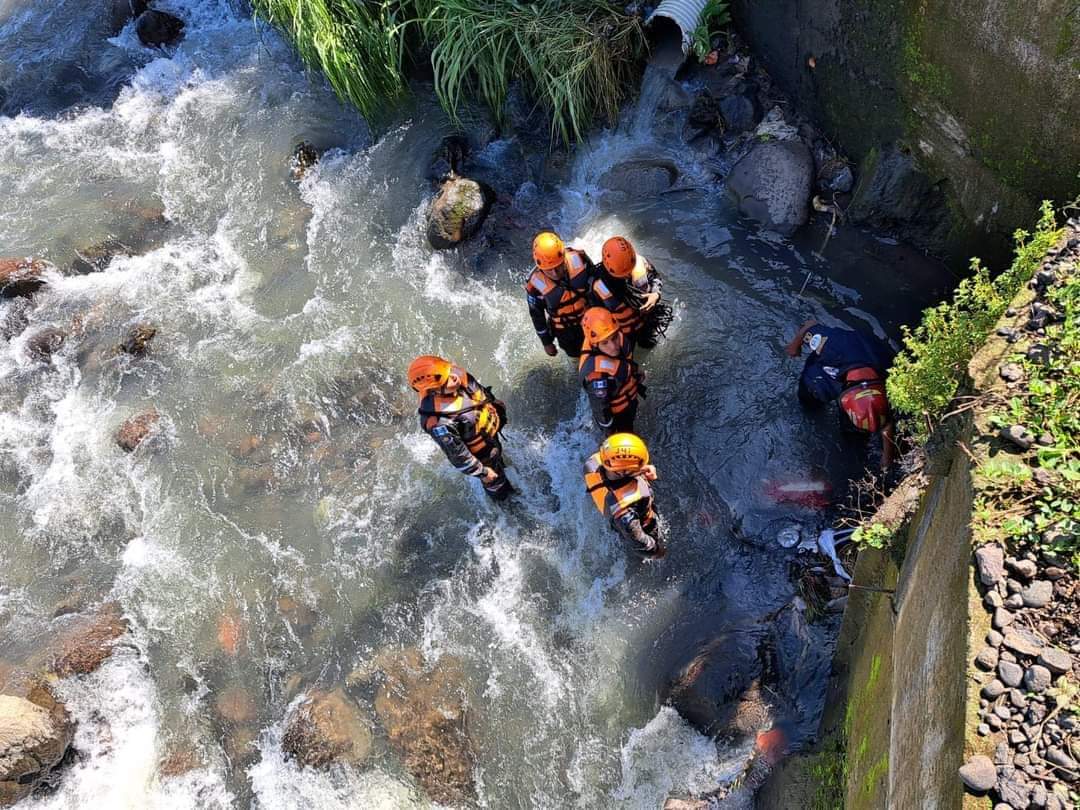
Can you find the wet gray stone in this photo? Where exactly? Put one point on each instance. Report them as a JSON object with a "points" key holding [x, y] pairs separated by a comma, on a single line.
{"points": [[994, 638], [983, 730], [1011, 674], [987, 658], [1017, 699], [1056, 660], [1002, 619], [993, 690], [1022, 641], [1062, 760], [1003, 712], [979, 774], [1015, 793], [1013, 585], [1025, 569], [990, 563], [1011, 372], [1038, 796], [1037, 679], [1002, 754], [993, 599], [1014, 601], [1038, 594], [1018, 435]]}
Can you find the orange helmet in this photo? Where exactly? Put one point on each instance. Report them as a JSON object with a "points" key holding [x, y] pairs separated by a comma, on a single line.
{"points": [[428, 372], [623, 453], [619, 256], [866, 406], [599, 324], [548, 250]]}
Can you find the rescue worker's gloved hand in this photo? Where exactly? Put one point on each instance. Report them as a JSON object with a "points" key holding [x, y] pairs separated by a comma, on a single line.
{"points": [[550, 349]]}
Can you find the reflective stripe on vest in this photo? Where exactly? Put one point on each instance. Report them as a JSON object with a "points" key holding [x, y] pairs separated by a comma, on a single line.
{"points": [[628, 318], [487, 417]]}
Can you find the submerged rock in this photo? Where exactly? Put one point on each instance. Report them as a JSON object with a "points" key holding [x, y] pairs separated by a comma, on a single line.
{"points": [[424, 714], [98, 256], [157, 29], [137, 340], [740, 113], [304, 157], [137, 429], [21, 277], [773, 183], [33, 741], [457, 212], [42, 345], [327, 727], [640, 178], [88, 642]]}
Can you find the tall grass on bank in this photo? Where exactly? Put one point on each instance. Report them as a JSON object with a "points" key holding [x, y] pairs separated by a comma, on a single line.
{"points": [[357, 45], [577, 58]]}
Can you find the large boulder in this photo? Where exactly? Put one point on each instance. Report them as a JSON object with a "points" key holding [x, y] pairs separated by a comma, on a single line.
{"points": [[424, 713], [772, 184], [21, 277], [457, 213], [32, 743], [327, 727], [158, 29]]}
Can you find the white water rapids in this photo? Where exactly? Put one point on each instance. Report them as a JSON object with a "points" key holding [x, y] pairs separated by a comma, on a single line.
{"points": [[289, 313]]}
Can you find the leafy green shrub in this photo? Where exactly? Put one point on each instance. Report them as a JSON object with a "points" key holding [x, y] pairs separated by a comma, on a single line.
{"points": [[577, 57], [872, 535], [927, 373], [714, 16]]}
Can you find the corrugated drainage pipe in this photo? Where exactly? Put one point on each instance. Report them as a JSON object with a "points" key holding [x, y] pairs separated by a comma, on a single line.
{"points": [[684, 13]]}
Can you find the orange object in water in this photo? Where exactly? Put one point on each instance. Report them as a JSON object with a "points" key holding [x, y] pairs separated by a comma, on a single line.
{"points": [[771, 745], [811, 493], [230, 633]]}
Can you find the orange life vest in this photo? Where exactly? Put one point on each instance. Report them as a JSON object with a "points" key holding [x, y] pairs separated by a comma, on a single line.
{"points": [[565, 298], [615, 497], [480, 422], [623, 371], [628, 317]]}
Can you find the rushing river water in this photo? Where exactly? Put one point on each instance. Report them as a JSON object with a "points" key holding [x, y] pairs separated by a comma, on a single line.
{"points": [[288, 313]]}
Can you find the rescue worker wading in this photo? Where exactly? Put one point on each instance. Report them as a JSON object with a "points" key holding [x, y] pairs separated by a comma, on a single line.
{"points": [[628, 286], [464, 419], [618, 477], [557, 292], [608, 372], [849, 367]]}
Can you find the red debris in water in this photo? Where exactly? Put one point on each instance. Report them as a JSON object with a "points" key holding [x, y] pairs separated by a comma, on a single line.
{"points": [[771, 745], [811, 493], [230, 633]]}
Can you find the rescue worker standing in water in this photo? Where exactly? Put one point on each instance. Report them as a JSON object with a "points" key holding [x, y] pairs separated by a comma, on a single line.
{"points": [[848, 367], [557, 292], [464, 419], [618, 477], [628, 286], [608, 372]]}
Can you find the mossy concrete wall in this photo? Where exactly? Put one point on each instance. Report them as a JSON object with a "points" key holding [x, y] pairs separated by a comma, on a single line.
{"points": [[983, 94], [897, 695]]}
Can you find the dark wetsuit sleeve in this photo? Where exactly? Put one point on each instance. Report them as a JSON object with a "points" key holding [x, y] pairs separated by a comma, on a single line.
{"points": [[629, 527], [446, 435], [538, 313]]}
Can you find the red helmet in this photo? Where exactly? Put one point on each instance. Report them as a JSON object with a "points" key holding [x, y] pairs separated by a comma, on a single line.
{"points": [[866, 405]]}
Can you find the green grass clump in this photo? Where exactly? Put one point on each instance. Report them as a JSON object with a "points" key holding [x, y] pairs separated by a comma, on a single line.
{"points": [[576, 57], [926, 375], [358, 46]]}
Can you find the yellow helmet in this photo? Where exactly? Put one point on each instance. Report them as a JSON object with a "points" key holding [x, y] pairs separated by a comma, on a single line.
{"points": [[599, 324], [548, 250], [623, 453], [428, 372]]}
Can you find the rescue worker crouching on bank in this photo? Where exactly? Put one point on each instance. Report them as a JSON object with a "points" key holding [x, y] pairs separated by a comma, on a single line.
{"points": [[618, 477], [608, 372], [464, 419], [848, 367], [557, 291], [628, 286]]}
